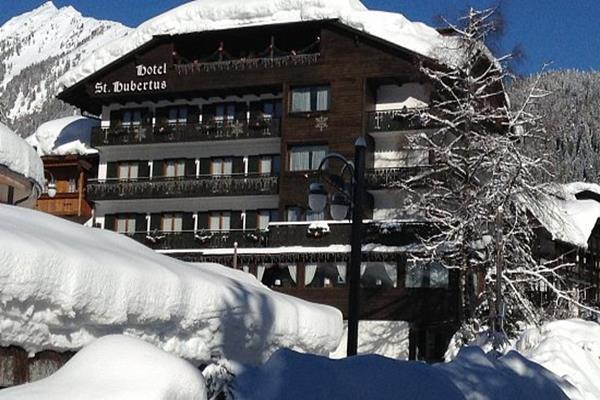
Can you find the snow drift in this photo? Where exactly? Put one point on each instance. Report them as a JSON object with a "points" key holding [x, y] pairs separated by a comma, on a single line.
{"points": [[63, 285], [69, 135], [570, 349], [117, 368], [472, 375], [206, 15], [20, 157]]}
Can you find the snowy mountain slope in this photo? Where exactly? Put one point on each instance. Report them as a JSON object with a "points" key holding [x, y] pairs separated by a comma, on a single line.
{"points": [[38, 47]]}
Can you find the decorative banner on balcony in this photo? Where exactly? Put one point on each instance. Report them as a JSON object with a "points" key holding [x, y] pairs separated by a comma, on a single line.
{"points": [[150, 83]]}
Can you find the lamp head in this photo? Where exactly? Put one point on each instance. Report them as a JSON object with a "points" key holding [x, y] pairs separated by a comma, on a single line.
{"points": [[317, 197], [51, 189], [339, 207]]}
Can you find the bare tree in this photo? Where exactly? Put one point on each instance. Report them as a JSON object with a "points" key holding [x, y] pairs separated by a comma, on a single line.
{"points": [[476, 190]]}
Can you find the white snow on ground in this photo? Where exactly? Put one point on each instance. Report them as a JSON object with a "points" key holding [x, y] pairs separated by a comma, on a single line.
{"points": [[69, 135], [471, 376], [18, 156], [566, 218], [206, 15], [63, 285], [570, 349], [385, 338], [117, 368]]}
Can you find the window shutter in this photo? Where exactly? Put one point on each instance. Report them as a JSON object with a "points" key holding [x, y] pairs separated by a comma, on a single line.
{"points": [[202, 220], [162, 116], [255, 110], [146, 117], [140, 223], [111, 170], [251, 219], [109, 222], [208, 113], [188, 222], [236, 220], [158, 169], [143, 169], [193, 115], [205, 166], [116, 118], [253, 164], [155, 220], [238, 165], [190, 167], [240, 111]]}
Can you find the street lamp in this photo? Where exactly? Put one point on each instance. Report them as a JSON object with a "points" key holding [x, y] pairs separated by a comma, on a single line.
{"points": [[340, 203]]}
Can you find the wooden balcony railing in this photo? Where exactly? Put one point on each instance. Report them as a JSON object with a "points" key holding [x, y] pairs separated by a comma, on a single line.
{"points": [[205, 131], [201, 239], [382, 178], [396, 120], [206, 185]]}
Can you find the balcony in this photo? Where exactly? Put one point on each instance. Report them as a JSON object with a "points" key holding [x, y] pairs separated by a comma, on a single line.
{"points": [[396, 120], [157, 188], [201, 239], [245, 64], [384, 178], [168, 133]]}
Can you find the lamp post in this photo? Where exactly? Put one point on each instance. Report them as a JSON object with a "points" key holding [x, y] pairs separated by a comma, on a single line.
{"points": [[340, 203]]}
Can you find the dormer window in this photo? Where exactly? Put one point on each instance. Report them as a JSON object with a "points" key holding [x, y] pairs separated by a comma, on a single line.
{"points": [[310, 99]]}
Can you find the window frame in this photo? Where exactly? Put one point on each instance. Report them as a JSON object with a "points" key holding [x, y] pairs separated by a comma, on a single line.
{"points": [[313, 91]]}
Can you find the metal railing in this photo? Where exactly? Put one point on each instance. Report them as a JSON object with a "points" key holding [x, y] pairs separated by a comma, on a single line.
{"points": [[397, 120], [201, 186], [187, 132]]}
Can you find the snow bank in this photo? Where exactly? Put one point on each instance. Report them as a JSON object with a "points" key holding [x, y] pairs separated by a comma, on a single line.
{"points": [[563, 216], [63, 285], [570, 349], [18, 156], [70, 135], [117, 368], [473, 376], [206, 15]]}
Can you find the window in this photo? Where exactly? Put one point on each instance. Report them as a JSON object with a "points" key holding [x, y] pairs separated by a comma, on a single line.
{"points": [[132, 118], [174, 168], [72, 185], [422, 275], [128, 170], [315, 216], [325, 275], [306, 158], [379, 275], [264, 217], [178, 115], [264, 166], [220, 221], [225, 111], [294, 214], [172, 223], [221, 166], [125, 224], [309, 99]]}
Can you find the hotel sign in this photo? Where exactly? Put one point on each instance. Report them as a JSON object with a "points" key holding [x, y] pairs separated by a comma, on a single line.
{"points": [[151, 82]]}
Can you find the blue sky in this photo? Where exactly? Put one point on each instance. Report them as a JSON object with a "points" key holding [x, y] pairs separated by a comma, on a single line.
{"points": [[566, 32]]}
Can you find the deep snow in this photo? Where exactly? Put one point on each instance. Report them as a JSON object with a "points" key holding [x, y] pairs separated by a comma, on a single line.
{"points": [[18, 156], [117, 368], [69, 135], [63, 285]]}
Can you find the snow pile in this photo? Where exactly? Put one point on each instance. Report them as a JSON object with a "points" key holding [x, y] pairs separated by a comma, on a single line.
{"points": [[69, 135], [385, 338], [20, 157], [564, 216], [63, 285], [117, 368], [570, 349], [206, 15], [472, 375]]}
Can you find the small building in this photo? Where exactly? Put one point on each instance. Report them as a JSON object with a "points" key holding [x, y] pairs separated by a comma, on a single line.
{"points": [[64, 145], [21, 170]]}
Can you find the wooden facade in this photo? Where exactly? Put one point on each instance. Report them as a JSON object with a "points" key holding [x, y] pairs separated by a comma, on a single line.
{"points": [[70, 175], [224, 107]]}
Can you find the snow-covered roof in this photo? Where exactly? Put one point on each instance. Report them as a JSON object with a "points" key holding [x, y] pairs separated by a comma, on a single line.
{"points": [[69, 135], [207, 15], [565, 217], [19, 157], [117, 368], [63, 285]]}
